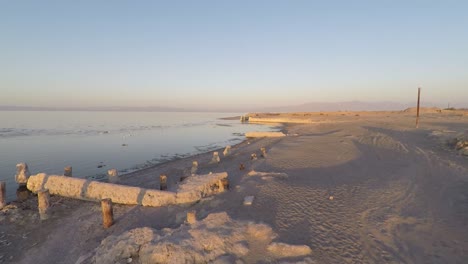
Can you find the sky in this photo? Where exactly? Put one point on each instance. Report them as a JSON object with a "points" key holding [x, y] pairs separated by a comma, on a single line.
{"points": [[231, 53]]}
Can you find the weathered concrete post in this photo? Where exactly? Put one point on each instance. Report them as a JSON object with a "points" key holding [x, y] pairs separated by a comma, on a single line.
{"points": [[107, 213], [263, 150], [113, 176], [22, 173], [194, 167], [227, 151], [43, 199], [162, 182], [2, 194], [215, 158], [67, 171], [191, 217]]}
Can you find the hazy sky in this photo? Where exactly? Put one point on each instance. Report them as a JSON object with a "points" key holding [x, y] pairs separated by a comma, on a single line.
{"points": [[194, 53]]}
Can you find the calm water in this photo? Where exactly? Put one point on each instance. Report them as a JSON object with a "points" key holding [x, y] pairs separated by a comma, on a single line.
{"points": [[49, 141]]}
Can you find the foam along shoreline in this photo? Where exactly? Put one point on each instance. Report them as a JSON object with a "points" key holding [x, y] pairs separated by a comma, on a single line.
{"points": [[264, 134]]}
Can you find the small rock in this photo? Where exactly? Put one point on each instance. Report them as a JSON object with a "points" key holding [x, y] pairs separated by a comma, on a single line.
{"points": [[253, 156], [129, 260], [330, 198], [241, 167], [124, 145]]}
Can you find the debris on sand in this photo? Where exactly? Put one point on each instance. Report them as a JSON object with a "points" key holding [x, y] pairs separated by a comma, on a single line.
{"points": [[215, 238], [248, 200]]}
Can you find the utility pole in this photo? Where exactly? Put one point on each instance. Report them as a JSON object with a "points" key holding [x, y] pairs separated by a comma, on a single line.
{"points": [[417, 110]]}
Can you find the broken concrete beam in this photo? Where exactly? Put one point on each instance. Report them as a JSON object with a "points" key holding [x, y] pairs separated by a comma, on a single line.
{"points": [[22, 173], [264, 134], [191, 190], [198, 186], [93, 190]]}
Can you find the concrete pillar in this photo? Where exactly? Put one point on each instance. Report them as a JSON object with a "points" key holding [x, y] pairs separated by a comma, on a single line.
{"points": [[113, 176], [22, 173], [43, 199], [215, 158], [194, 167], [67, 171], [227, 151]]}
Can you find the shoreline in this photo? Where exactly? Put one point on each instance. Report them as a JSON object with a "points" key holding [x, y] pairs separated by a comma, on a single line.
{"points": [[357, 186], [128, 147]]}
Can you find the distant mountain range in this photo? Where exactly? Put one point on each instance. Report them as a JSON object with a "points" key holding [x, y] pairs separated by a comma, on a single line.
{"points": [[307, 107], [342, 106]]}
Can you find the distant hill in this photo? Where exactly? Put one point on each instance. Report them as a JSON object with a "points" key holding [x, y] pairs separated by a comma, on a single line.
{"points": [[307, 107], [341, 106]]}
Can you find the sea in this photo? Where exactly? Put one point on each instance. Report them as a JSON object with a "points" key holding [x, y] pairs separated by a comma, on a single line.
{"points": [[94, 142]]}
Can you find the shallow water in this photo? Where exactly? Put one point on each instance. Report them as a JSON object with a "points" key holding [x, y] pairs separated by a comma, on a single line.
{"points": [[93, 142]]}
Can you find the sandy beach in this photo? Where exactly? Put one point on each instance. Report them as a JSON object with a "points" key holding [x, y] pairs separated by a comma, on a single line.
{"points": [[341, 187]]}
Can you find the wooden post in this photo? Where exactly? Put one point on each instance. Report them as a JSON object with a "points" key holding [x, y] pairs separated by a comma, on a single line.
{"points": [[417, 109], [107, 213], [162, 182], [220, 186], [263, 150], [43, 199], [113, 176], [241, 167], [191, 217], [227, 151], [67, 171], [2, 194], [225, 183], [215, 158]]}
